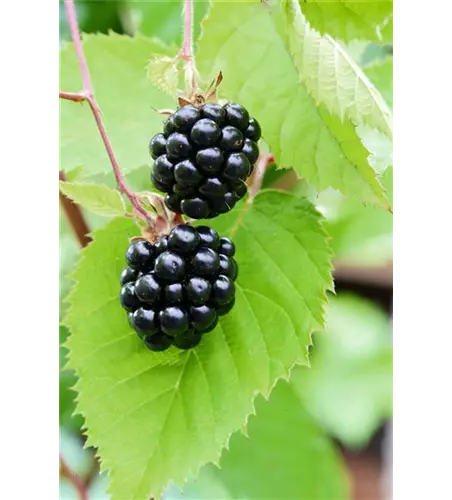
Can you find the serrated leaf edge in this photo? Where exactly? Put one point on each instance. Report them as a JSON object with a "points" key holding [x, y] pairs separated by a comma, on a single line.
{"points": [[82, 184], [194, 471]]}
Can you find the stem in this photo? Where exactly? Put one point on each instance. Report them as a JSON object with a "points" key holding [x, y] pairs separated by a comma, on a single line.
{"points": [[187, 46], [75, 217], [87, 95], [186, 52], [75, 35], [262, 163], [73, 96], [72, 477], [123, 186]]}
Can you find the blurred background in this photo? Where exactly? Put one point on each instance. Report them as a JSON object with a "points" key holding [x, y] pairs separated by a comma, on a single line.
{"points": [[348, 390]]}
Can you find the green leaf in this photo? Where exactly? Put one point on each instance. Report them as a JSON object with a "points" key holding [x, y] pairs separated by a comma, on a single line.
{"points": [[162, 71], [164, 19], [349, 386], [65, 383], [381, 75], [126, 98], [157, 417], [332, 77], [282, 438], [158, 19], [347, 21], [360, 235], [69, 249], [96, 198], [380, 150], [386, 29], [281, 76]]}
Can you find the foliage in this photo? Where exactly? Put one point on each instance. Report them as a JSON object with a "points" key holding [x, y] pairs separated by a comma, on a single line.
{"points": [[161, 418], [197, 398], [348, 388]]}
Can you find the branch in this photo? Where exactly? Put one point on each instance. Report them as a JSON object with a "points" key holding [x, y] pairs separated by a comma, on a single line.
{"points": [[73, 96], [186, 52], [87, 95], [255, 185], [72, 477], [75, 217], [257, 178], [75, 35]]}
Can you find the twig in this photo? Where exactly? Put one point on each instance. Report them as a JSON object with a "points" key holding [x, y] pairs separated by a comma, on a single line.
{"points": [[186, 52], [72, 477], [75, 35], [87, 95], [75, 217], [73, 96], [262, 163]]}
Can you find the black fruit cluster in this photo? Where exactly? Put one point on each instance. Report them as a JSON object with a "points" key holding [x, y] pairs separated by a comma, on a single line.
{"points": [[175, 290], [203, 158]]}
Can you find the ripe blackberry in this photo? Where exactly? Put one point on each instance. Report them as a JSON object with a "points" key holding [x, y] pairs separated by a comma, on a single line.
{"points": [[175, 290], [203, 158]]}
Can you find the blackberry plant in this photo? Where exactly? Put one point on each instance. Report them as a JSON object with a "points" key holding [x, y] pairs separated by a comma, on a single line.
{"points": [[166, 376]]}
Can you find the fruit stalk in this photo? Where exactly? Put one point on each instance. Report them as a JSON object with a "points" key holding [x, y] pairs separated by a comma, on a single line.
{"points": [[87, 95]]}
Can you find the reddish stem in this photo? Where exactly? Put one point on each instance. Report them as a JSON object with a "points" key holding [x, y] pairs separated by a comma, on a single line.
{"points": [[72, 477], [123, 186], [262, 164], [75, 217], [87, 95], [75, 35], [73, 96]]}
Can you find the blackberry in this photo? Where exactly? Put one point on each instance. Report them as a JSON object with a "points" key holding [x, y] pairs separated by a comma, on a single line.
{"points": [[148, 289], [196, 208], [128, 275], [157, 342], [173, 321], [139, 255], [157, 146], [231, 139], [163, 169], [127, 297], [144, 321], [174, 294], [203, 158], [226, 247], [187, 341], [178, 146], [175, 290]]}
